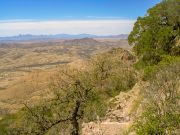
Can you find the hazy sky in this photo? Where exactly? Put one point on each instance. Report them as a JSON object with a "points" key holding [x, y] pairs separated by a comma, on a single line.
{"points": [[100, 17]]}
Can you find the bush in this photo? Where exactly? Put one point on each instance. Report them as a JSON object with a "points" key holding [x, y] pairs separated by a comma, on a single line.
{"points": [[149, 71], [161, 114]]}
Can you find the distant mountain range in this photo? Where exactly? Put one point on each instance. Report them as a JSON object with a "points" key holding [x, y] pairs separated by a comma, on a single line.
{"points": [[58, 36]]}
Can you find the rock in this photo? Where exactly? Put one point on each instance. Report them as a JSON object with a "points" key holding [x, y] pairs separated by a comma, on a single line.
{"points": [[119, 117]]}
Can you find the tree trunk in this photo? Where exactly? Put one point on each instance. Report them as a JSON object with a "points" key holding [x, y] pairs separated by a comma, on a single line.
{"points": [[74, 122]]}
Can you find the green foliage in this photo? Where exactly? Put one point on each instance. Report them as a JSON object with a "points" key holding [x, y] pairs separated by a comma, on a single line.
{"points": [[157, 33], [156, 38], [8, 120], [112, 75], [169, 60], [96, 107], [161, 113], [149, 71], [5, 122], [151, 124]]}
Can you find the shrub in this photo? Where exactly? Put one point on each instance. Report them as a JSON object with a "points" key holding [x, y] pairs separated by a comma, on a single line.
{"points": [[161, 114], [149, 71]]}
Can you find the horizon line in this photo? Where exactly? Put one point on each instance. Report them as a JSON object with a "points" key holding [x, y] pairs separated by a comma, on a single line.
{"points": [[63, 34]]}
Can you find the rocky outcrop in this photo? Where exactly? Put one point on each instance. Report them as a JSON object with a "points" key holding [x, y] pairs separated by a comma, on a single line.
{"points": [[104, 128], [124, 106], [122, 111]]}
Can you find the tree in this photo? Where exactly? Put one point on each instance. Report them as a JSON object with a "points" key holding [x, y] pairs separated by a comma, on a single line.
{"points": [[73, 101], [158, 32], [112, 74]]}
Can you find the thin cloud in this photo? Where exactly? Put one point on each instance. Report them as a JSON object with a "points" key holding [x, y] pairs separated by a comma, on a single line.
{"points": [[106, 17], [97, 27]]}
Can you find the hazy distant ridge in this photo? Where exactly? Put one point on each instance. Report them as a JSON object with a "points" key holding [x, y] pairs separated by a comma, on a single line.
{"points": [[58, 36]]}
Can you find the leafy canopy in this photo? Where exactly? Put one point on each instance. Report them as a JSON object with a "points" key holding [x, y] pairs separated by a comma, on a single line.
{"points": [[158, 32]]}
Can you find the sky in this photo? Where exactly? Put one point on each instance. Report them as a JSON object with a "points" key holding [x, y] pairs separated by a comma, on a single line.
{"points": [[99, 17]]}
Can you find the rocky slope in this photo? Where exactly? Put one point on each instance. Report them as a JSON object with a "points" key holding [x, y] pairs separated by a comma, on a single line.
{"points": [[122, 111]]}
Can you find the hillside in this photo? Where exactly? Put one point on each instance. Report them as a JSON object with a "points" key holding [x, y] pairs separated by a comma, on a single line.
{"points": [[32, 87], [24, 64]]}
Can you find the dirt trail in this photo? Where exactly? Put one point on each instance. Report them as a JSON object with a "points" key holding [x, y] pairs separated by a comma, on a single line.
{"points": [[119, 117]]}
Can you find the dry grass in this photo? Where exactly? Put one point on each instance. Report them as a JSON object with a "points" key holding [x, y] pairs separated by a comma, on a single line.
{"points": [[26, 67]]}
